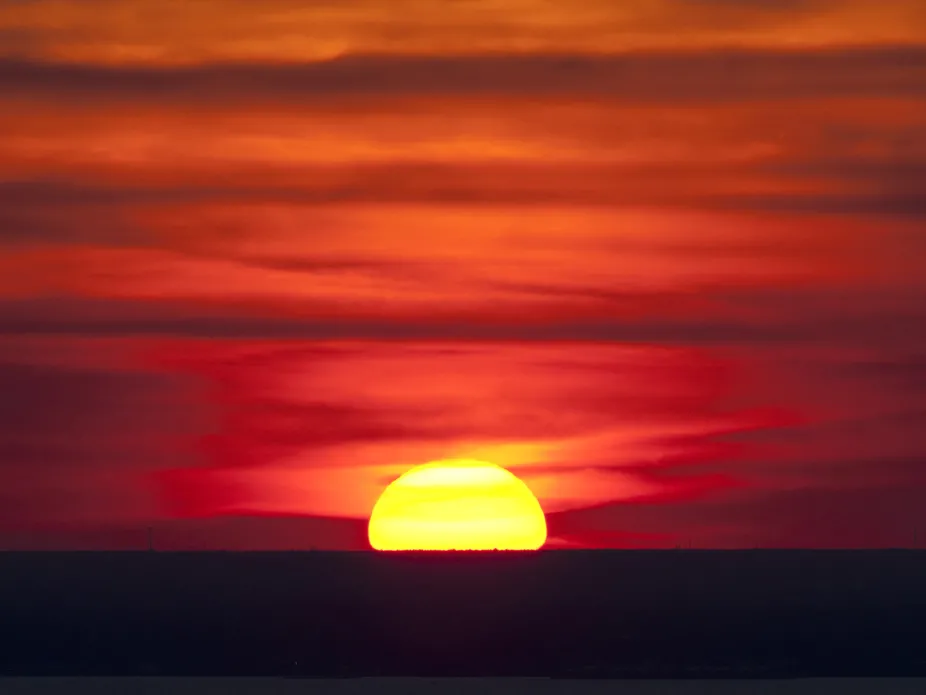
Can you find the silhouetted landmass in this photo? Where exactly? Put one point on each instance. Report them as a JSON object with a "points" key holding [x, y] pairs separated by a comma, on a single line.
{"points": [[564, 614]]}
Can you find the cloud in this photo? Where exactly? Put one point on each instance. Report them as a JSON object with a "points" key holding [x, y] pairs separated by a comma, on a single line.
{"points": [[855, 503], [867, 514], [297, 407], [77, 444], [147, 31], [868, 190], [670, 77], [738, 316], [907, 371], [247, 533], [65, 405], [696, 130], [25, 223]]}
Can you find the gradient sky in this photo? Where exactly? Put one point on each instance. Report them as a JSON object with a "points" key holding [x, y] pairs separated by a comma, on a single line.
{"points": [[663, 259]]}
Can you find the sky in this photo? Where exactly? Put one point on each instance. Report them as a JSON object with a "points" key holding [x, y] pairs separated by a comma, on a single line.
{"points": [[665, 260]]}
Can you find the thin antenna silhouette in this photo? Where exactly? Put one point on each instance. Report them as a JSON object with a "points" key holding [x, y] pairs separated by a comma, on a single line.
{"points": [[150, 539]]}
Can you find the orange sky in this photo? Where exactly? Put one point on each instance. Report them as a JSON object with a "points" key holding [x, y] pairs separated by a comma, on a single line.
{"points": [[662, 258]]}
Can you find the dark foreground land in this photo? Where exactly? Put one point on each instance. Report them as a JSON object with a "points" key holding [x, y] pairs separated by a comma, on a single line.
{"points": [[456, 686], [564, 614]]}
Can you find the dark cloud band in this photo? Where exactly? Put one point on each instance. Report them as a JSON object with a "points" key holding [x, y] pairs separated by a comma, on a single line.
{"points": [[693, 77]]}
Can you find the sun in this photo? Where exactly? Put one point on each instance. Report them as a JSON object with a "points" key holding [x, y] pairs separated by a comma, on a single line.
{"points": [[457, 505]]}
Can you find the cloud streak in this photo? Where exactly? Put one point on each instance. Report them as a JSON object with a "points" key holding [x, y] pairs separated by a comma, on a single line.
{"points": [[147, 32], [866, 189], [676, 77]]}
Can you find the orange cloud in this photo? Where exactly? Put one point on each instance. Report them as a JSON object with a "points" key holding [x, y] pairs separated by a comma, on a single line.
{"points": [[147, 31]]}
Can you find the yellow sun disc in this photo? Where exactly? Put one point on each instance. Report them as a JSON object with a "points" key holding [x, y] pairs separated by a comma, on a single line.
{"points": [[457, 505]]}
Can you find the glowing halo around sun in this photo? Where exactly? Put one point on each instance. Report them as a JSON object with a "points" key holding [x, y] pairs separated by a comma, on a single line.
{"points": [[457, 505]]}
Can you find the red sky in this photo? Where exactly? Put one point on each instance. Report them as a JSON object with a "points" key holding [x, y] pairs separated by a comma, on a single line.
{"points": [[663, 259]]}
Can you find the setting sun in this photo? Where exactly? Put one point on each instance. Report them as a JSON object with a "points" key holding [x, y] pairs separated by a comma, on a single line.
{"points": [[457, 505]]}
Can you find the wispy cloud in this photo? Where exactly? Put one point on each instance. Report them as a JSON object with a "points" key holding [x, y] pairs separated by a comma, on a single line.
{"points": [[147, 31], [676, 77]]}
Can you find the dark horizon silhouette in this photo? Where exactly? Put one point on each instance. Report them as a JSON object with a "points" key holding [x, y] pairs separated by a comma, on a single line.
{"points": [[569, 613]]}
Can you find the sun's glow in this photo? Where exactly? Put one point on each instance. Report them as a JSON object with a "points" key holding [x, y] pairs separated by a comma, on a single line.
{"points": [[457, 505]]}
